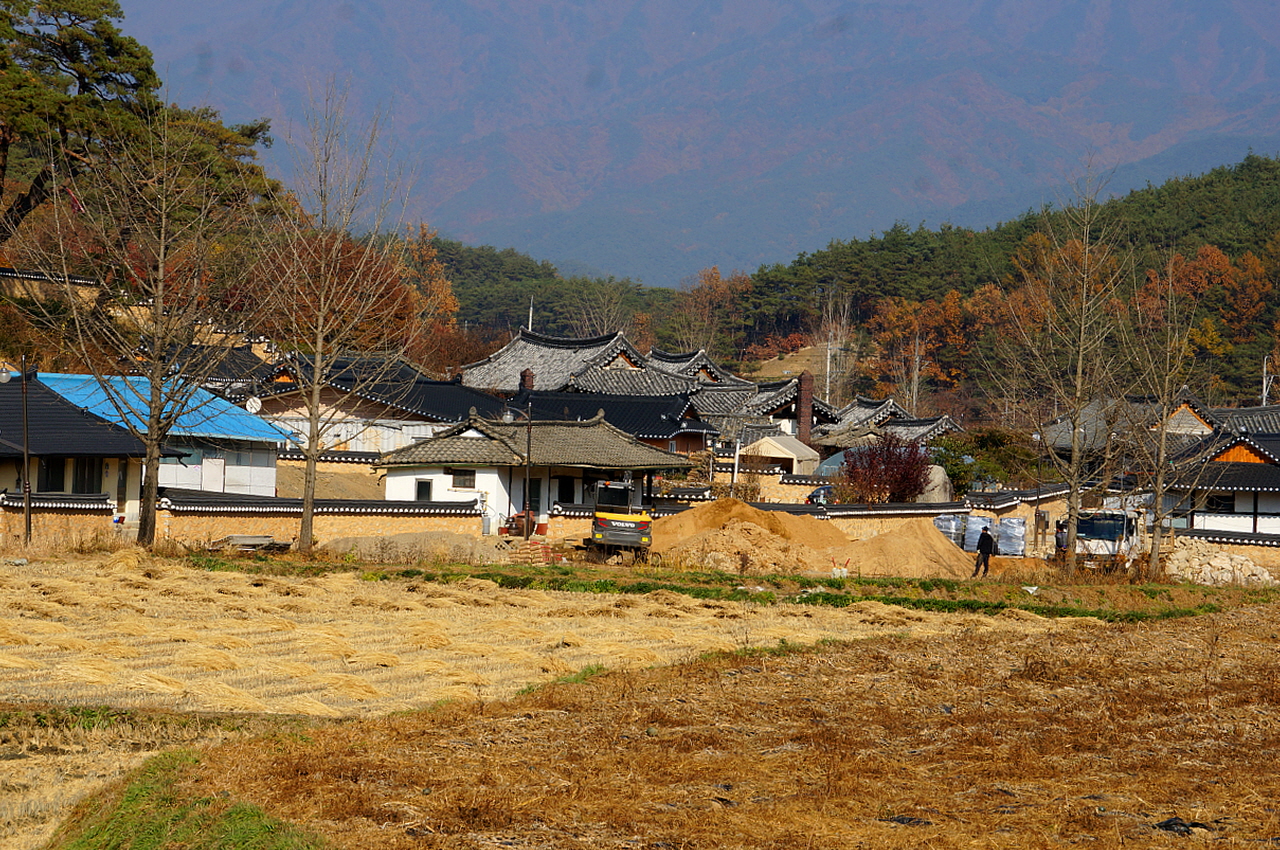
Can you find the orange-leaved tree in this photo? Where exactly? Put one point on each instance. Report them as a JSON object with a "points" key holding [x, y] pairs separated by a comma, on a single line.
{"points": [[706, 309]]}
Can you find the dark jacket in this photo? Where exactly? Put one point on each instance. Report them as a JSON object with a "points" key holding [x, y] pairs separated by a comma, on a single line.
{"points": [[986, 543]]}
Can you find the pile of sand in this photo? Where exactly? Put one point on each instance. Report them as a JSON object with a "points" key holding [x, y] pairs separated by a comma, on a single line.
{"points": [[732, 536], [745, 548], [915, 549], [669, 532]]}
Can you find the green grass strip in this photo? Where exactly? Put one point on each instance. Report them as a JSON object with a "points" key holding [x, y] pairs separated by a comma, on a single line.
{"points": [[978, 606], [150, 814]]}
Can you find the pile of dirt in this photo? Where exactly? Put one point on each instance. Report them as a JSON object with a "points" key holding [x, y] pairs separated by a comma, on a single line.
{"points": [[915, 549], [734, 537], [669, 532], [745, 548]]}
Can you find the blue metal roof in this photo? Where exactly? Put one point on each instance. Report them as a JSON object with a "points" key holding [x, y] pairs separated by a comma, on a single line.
{"points": [[207, 416]]}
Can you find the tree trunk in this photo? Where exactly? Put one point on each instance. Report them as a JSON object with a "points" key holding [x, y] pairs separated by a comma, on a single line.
{"points": [[150, 492]]}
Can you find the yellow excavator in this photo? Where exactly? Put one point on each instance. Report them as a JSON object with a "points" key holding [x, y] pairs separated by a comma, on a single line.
{"points": [[619, 522]]}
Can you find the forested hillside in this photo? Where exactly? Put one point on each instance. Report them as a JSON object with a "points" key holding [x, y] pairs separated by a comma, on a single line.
{"points": [[914, 311]]}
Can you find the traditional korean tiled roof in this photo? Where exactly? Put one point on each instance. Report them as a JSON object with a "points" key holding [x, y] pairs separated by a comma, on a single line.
{"points": [[646, 417], [1228, 476], [774, 397], [697, 365], [237, 368], [50, 277], [869, 411], [100, 503], [1237, 538], [57, 427], [912, 430], [723, 399], [897, 509], [553, 360], [590, 444], [647, 381], [396, 384], [177, 500], [205, 415], [1252, 420], [995, 500], [921, 430], [748, 429], [331, 456]]}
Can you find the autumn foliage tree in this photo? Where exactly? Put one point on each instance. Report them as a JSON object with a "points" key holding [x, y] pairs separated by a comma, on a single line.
{"points": [[436, 306], [918, 345], [339, 307], [1055, 349], [164, 235], [705, 311], [891, 470]]}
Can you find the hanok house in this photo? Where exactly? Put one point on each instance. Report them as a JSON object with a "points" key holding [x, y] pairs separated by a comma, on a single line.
{"points": [[609, 364], [1234, 489], [224, 449], [664, 422], [490, 459], [81, 464], [370, 406]]}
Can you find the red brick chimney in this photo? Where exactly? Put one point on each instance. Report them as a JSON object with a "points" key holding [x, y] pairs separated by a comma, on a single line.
{"points": [[804, 408], [526, 380]]}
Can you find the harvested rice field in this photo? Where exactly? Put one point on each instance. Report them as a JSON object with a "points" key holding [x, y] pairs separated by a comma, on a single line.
{"points": [[411, 721]]}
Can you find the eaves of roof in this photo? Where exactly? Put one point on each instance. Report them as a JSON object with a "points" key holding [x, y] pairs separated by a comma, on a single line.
{"points": [[589, 444], [1228, 476]]}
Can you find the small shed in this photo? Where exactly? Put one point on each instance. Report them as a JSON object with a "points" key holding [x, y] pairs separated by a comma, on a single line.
{"points": [[781, 450]]}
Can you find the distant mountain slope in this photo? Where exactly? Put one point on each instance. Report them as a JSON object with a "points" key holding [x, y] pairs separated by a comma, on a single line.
{"points": [[653, 138]]}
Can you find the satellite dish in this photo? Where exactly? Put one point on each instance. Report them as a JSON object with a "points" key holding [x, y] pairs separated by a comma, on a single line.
{"points": [[253, 404]]}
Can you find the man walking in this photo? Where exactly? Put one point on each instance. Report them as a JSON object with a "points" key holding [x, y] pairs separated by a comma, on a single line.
{"points": [[986, 545]]}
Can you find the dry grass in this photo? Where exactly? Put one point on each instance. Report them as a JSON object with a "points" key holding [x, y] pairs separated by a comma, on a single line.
{"points": [[996, 729], [1039, 738]]}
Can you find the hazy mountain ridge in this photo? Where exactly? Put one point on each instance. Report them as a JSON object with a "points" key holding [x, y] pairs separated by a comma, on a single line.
{"points": [[650, 139]]}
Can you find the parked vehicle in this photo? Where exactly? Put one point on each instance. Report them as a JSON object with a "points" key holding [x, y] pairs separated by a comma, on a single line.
{"points": [[619, 521], [1107, 537], [824, 495]]}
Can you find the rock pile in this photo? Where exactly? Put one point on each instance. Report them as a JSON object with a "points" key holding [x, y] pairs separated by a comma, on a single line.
{"points": [[1200, 562]]}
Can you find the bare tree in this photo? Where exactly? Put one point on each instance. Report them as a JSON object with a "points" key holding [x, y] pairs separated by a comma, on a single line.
{"points": [[341, 309], [1055, 345], [1160, 342], [601, 306], [843, 340], [165, 224], [706, 310]]}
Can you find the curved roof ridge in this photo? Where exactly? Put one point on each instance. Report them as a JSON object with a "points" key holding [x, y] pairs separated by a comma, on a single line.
{"points": [[569, 341]]}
